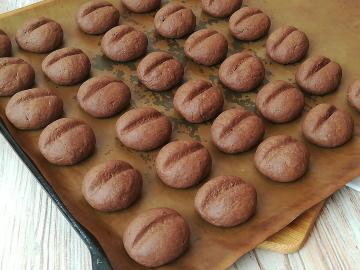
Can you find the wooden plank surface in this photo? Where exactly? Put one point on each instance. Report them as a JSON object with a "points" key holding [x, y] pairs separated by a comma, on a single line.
{"points": [[37, 236]]}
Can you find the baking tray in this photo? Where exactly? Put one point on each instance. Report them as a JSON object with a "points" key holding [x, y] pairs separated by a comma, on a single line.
{"points": [[330, 26]]}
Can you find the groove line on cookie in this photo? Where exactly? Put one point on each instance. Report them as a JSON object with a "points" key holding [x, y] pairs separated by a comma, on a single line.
{"points": [[246, 16], [157, 63], [158, 220], [95, 7], [197, 92], [236, 121], [172, 12], [182, 154], [285, 35], [142, 120], [11, 62], [96, 88], [62, 56], [322, 63], [60, 131], [277, 92], [34, 96], [203, 37], [329, 112], [286, 141], [119, 35], [37, 24]]}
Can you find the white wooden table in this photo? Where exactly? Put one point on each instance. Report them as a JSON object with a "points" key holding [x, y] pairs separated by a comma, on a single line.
{"points": [[35, 235]]}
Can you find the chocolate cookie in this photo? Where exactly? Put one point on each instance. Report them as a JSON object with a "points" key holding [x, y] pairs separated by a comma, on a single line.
{"points": [[67, 141], [66, 66], [156, 237], [280, 102], [124, 43], [226, 201], [141, 6], [287, 45], [198, 101], [174, 21], [242, 72], [353, 95], [327, 126], [160, 71], [34, 108], [103, 96], [5, 44], [319, 75], [237, 130], [175, 156], [112, 186], [97, 16], [220, 8], [282, 158], [15, 75], [143, 129], [39, 35], [206, 47], [249, 24]]}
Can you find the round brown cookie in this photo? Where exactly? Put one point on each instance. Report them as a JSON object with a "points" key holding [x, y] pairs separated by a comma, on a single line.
{"points": [[15, 75], [141, 6], [34, 108], [67, 141], [319, 75], [67, 66], [143, 129], [156, 237], [103, 96], [206, 47], [97, 16], [249, 24], [282, 158], [160, 71], [220, 8], [237, 130], [124, 43], [198, 101], [226, 201], [175, 156], [287, 45], [112, 186], [174, 21], [327, 126], [353, 95], [5, 44], [39, 35], [242, 72], [280, 102]]}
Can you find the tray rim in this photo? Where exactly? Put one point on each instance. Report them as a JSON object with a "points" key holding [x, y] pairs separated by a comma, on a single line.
{"points": [[99, 260]]}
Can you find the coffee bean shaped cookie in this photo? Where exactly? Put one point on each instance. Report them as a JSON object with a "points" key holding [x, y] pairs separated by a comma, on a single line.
{"points": [[67, 141], [198, 101], [175, 156], [141, 6], [34, 108], [15, 75], [67, 66], [353, 95], [103, 96], [156, 237], [287, 45], [280, 102], [5, 44], [206, 47], [242, 72], [319, 75], [97, 16], [124, 43], [111, 186], [160, 71], [39, 35], [237, 130], [226, 201], [327, 126], [282, 158], [143, 129], [220, 8], [249, 24], [174, 21]]}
